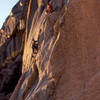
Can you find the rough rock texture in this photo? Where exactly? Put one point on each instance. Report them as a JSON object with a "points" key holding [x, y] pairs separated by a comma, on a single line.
{"points": [[51, 56], [12, 40]]}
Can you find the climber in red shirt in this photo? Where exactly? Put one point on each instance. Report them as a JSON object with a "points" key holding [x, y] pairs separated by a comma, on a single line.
{"points": [[49, 8]]}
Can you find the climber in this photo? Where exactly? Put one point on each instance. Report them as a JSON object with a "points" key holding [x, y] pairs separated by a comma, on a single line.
{"points": [[35, 46], [49, 8]]}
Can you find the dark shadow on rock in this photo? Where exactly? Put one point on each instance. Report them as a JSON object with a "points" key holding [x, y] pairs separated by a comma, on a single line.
{"points": [[11, 62]]}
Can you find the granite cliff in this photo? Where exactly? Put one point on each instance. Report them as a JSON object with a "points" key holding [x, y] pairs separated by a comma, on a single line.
{"points": [[51, 55]]}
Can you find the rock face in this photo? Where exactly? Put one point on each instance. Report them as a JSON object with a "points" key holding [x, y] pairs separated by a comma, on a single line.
{"points": [[51, 56]]}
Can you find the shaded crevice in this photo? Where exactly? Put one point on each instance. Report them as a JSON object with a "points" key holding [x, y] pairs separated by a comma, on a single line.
{"points": [[10, 74], [33, 5], [8, 87]]}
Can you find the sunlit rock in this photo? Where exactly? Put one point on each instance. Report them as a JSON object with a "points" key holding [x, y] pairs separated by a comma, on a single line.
{"points": [[51, 52]]}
